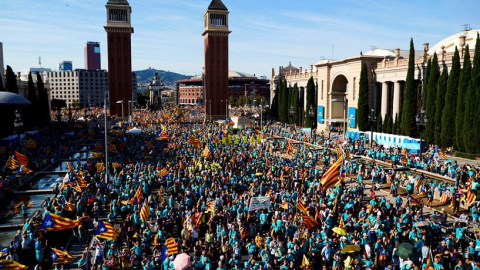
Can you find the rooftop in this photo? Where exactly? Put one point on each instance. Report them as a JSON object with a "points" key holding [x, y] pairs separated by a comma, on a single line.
{"points": [[217, 5], [118, 2]]}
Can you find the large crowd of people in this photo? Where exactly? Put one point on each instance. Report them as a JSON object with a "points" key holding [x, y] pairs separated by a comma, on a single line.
{"points": [[185, 185]]}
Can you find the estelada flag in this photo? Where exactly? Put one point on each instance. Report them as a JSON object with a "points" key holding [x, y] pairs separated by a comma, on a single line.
{"points": [[105, 230], [12, 163], [60, 257], [12, 265], [162, 173], [53, 222], [301, 206], [22, 158], [305, 263]]}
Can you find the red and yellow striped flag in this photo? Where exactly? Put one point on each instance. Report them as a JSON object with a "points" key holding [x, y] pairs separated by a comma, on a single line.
{"points": [[145, 211], [171, 246], [331, 177], [309, 222], [22, 158], [301, 206], [12, 265]]}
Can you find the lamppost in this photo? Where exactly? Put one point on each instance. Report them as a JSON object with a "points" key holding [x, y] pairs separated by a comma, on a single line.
{"points": [[18, 124], [422, 121], [311, 114], [372, 119], [292, 113]]}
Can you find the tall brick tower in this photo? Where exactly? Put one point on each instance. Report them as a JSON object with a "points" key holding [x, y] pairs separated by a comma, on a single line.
{"points": [[119, 33], [216, 59]]}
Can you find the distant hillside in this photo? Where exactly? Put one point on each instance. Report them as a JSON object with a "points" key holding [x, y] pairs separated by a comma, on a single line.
{"points": [[168, 78]]}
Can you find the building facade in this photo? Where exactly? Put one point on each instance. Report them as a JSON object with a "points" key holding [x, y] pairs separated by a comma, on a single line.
{"points": [[216, 58], [119, 31], [190, 91], [337, 81], [92, 56], [84, 87]]}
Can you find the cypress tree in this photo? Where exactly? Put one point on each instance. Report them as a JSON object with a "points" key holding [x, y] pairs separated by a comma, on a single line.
{"points": [[362, 105], [11, 81], [464, 80], [281, 102], [425, 84], [433, 76], [31, 112], [310, 101], [295, 93], [284, 105], [44, 109], [385, 124], [440, 103], [389, 129], [450, 110], [378, 128], [409, 109], [396, 126], [475, 81], [274, 108]]}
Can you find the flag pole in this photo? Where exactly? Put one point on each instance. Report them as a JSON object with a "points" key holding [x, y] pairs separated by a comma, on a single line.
{"points": [[106, 141]]}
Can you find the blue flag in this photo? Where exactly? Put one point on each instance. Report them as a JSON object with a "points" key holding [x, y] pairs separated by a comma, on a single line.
{"points": [[47, 222]]}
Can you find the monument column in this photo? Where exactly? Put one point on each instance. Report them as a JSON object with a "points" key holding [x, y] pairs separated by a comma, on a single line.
{"points": [[384, 99], [396, 100]]}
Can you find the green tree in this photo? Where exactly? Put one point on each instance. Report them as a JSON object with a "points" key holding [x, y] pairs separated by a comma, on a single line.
{"points": [[409, 108], [241, 100], [231, 100], [385, 123], [440, 103], [378, 128], [464, 80], [362, 105], [31, 112], [396, 125], [433, 76], [448, 114], [389, 129], [310, 101], [475, 81], [11, 81], [425, 82], [274, 107], [43, 106], [283, 107], [294, 104]]}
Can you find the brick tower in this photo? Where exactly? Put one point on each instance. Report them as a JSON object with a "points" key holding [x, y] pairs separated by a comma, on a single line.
{"points": [[119, 33], [216, 59]]}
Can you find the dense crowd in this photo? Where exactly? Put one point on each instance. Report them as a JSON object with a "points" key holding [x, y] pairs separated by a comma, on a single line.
{"points": [[198, 193]]}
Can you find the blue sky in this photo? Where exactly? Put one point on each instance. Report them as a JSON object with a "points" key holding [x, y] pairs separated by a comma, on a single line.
{"points": [[265, 33]]}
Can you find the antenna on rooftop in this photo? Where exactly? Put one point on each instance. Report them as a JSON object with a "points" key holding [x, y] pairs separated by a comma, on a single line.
{"points": [[466, 27], [40, 61]]}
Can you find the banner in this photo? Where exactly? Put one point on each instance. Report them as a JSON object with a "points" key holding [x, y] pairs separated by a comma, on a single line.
{"points": [[257, 203], [320, 114]]}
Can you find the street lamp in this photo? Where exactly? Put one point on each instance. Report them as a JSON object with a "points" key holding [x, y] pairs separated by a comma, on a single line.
{"points": [[372, 119], [422, 121], [18, 124], [311, 114]]}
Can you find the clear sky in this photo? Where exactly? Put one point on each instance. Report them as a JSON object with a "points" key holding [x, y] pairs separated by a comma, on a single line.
{"points": [[265, 33]]}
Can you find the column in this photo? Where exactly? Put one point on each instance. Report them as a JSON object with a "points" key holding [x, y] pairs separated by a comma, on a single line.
{"points": [[384, 99], [396, 99]]}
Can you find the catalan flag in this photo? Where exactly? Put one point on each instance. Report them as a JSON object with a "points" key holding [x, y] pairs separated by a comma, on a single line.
{"points": [[137, 198], [430, 265], [309, 222], [30, 144], [22, 158], [99, 167], [12, 163], [96, 155], [441, 153], [286, 206], [105, 230], [70, 166], [69, 206], [194, 141], [305, 263], [162, 173], [4, 252], [12, 265], [145, 211], [171, 246], [163, 136], [243, 231], [60, 257], [290, 147], [53, 222], [444, 198], [211, 206], [207, 152], [301, 206], [471, 197], [26, 170], [332, 176]]}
